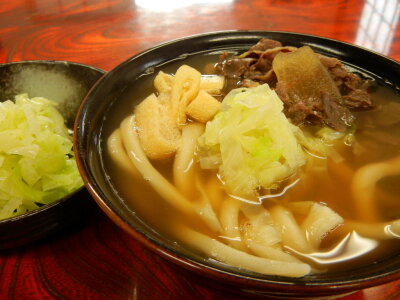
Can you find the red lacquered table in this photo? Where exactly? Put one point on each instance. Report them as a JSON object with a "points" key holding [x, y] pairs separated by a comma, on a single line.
{"points": [[95, 259]]}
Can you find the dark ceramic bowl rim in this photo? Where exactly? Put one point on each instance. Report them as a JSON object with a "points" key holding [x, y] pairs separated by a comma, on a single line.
{"points": [[50, 61], [50, 206], [272, 283]]}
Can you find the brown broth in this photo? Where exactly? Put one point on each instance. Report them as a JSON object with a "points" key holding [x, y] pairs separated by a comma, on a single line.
{"points": [[376, 140]]}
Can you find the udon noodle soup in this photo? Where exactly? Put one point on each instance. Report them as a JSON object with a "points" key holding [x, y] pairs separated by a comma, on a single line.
{"points": [[276, 161]]}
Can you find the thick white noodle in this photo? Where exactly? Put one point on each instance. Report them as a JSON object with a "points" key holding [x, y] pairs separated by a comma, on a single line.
{"points": [[319, 222], [215, 192], [185, 178], [183, 167], [260, 234], [274, 253], [292, 235], [118, 154], [226, 254], [213, 84], [205, 209], [260, 227], [364, 184], [159, 183], [229, 218]]}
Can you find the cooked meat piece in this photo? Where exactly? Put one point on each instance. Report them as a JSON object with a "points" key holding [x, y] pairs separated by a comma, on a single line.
{"points": [[296, 111], [254, 65], [318, 89], [335, 115], [308, 91], [263, 64], [352, 87], [329, 62], [358, 99], [326, 111], [265, 44], [234, 67]]}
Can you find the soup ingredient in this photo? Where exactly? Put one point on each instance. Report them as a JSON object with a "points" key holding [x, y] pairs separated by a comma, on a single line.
{"points": [[252, 67], [352, 87], [320, 220], [161, 118], [332, 95], [252, 142], [183, 174], [196, 198], [146, 169], [308, 91], [141, 164], [268, 257], [281, 234], [203, 108], [221, 252], [364, 184], [37, 164], [117, 150], [158, 133]]}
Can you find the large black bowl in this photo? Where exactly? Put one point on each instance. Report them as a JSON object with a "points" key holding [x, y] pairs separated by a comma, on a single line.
{"points": [[66, 83], [89, 146]]}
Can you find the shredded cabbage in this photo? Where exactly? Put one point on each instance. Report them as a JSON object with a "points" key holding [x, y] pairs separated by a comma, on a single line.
{"points": [[37, 164], [252, 142]]}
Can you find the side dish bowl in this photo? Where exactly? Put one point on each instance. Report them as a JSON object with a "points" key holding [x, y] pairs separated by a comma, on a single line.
{"points": [[90, 147], [66, 83]]}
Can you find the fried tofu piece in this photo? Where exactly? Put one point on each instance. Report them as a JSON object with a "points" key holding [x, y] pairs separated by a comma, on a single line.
{"points": [[158, 133], [184, 89], [203, 108], [163, 82], [160, 118]]}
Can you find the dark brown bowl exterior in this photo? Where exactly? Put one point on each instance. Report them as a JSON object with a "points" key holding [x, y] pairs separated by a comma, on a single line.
{"points": [[67, 83], [89, 146]]}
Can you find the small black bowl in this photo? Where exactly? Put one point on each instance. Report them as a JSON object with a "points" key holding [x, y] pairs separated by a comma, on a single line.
{"points": [[66, 83], [90, 137]]}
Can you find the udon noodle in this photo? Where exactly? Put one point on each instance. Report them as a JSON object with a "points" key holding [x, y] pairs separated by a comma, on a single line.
{"points": [[323, 204]]}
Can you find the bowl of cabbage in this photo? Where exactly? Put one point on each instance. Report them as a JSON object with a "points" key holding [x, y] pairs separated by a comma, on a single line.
{"points": [[41, 190], [265, 161]]}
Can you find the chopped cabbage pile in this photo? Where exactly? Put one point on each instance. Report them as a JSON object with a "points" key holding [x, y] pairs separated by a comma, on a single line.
{"points": [[252, 142], [37, 164]]}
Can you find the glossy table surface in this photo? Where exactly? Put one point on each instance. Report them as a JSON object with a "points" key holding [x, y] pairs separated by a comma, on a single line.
{"points": [[95, 259]]}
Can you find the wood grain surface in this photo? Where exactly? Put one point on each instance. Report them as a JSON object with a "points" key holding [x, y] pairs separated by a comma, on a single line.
{"points": [[95, 259]]}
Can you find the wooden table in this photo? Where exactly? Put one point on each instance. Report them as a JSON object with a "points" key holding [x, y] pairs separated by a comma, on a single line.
{"points": [[95, 259]]}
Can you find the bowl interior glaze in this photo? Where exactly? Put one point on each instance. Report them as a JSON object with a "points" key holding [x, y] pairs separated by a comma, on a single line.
{"points": [[66, 83], [90, 137]]}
